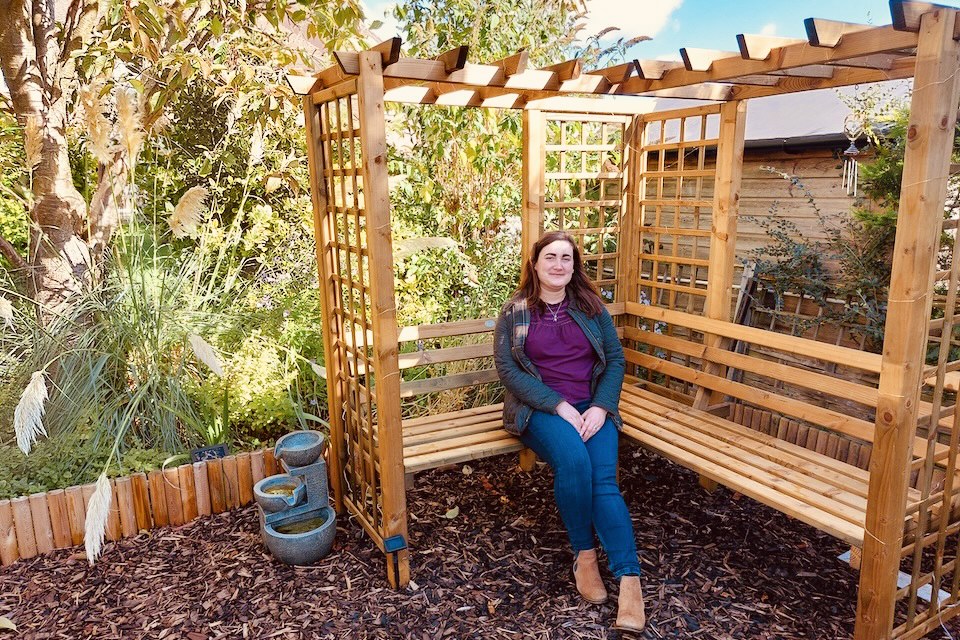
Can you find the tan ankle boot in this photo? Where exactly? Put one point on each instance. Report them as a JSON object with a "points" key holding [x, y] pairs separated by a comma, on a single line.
{"points": [[587, 575], [630, 614]]}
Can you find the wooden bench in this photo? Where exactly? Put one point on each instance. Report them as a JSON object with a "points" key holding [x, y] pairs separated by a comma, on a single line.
{"points": [[685, 370], [454, 437]]}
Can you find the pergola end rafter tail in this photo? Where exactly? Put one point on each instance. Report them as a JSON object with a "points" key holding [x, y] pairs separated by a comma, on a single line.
{"points": [[905, 15]]}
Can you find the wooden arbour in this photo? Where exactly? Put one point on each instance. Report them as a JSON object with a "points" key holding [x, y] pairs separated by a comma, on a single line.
{"points": [[652, 199]]}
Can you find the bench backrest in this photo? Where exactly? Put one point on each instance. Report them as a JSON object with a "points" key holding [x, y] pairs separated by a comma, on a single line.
{"points": [[828, 386]]}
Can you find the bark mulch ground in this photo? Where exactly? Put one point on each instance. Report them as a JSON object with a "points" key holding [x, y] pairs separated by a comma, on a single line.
{"points": [[490, 561]]}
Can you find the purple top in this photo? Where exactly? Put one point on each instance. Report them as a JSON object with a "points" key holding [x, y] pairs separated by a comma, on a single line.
{"points": [[561, 352]]}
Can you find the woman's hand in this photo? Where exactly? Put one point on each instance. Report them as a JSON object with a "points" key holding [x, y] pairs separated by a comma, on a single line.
{"points": [[566, 411], [593, 419]]}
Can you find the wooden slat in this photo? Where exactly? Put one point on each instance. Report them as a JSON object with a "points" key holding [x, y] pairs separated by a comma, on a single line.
{"points": [[438, 356], [158, 498], [77, 514], [22, 520], [567, 70], [141, 501], [59, 519], [245, 478], [512, 65], [188, 492], [615, 74], [127, 511], [218, 499], [430, 460], [906, 14], [42, 531], [171, 482], [654, 69], [446, 329], [8, 535], [231, 482], [256, 466], [201, 485], [452, 381]]}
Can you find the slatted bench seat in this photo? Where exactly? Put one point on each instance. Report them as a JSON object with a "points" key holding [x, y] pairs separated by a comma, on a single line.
{"points": [[687, 364], [454, 437], [816, 489]]}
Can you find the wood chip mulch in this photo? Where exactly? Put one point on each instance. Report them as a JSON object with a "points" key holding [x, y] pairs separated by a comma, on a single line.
{"points": [[716, 566]]}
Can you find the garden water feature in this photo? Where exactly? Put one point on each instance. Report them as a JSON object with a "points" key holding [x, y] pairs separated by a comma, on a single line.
{"points": [[296, 520]]}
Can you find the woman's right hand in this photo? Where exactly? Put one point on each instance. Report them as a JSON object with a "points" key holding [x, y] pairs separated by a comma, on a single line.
{"points": [[566, 411]]}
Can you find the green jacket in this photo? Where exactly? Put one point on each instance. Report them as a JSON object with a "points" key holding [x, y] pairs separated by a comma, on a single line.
{"points": [[525, 390]]}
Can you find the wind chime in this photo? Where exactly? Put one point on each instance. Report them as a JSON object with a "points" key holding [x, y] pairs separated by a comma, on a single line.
{"points": [[853, 129]]}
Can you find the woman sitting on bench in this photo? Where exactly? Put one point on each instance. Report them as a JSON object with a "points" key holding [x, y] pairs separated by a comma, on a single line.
{"points": [[562, 365]]}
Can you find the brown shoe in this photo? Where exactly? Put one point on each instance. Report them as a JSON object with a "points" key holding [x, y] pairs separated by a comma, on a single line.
{"points": [[630, 614], [587, 575]]}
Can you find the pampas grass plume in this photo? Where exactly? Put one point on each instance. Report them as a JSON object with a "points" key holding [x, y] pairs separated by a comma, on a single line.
{"points": [[28, 416], [131, 124], [185, 219], [205, 353], [97, 126], [6, 311], [98, 510]]}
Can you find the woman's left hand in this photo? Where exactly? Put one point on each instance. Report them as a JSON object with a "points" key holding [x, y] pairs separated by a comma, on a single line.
{"points": [[593, 419]]}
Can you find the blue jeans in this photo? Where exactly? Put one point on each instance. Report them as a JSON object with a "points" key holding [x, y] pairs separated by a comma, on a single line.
{"points": [[585, 486]]}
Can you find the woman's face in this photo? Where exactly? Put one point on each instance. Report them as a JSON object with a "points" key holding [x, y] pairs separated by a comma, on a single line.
{"points": [[554, 265]]}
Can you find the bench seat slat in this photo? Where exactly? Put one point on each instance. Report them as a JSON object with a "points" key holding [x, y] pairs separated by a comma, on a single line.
{"points": [[745, 452]]}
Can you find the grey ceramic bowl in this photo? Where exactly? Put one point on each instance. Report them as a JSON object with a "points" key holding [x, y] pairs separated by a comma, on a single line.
{"points": [[300, 448], [300, 547], [271, 496]]}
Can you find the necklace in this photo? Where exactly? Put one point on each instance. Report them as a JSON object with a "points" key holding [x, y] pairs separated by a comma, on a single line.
{"points": [[554, 313]]}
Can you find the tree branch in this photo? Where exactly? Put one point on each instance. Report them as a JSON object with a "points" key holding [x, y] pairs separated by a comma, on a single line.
{"points": [[10, 252]]}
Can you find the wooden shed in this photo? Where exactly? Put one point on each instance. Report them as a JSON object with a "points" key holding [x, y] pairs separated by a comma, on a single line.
{"points": [[661, 228]]}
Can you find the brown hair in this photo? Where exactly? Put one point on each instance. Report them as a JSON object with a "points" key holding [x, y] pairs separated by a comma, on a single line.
{"points": [[580, 290]]}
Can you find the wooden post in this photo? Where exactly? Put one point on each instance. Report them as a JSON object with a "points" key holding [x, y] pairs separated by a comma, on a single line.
{"points": [[218, 500], [171, 487], [628, 267], [933, 110], [723, 231], [202, 487], [376, 202], [141, 501], [128, 513], [8, 535], [188, 492], [534, 141], [231, 482], [26, 541], [245, 478], [256, 466], [59, 518], [158, 498], [326, 267], [77, 513], [40, 514]]}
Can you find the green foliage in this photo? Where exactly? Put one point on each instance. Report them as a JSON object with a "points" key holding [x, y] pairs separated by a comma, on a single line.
{"points": [[15, 194]]}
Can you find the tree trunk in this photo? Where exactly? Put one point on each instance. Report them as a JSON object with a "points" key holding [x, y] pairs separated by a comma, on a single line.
{"points": [[37, 72]]}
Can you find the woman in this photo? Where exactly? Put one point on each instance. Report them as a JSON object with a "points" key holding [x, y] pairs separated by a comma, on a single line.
{"points": [[562, 365]]}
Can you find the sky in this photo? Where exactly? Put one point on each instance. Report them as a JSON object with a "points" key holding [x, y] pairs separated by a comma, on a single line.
{"points": [[704, 24]]}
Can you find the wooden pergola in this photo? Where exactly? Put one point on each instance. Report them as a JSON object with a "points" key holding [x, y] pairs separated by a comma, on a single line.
{"points": [[658, 232]]}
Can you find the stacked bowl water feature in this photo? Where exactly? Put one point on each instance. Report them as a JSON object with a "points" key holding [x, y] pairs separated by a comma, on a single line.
{"points": [[296, 521]]}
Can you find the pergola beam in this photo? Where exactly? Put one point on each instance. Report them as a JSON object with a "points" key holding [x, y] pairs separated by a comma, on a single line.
{"points": [[512, 65], [567, 70], [902, 68], [854, 45], [615, 74], [702, 59]]}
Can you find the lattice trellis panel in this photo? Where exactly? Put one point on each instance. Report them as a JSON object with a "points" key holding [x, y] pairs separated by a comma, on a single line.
{"points": [[583, 187], [346, 283], [673, 202], [676, 183], [930, 559]]}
